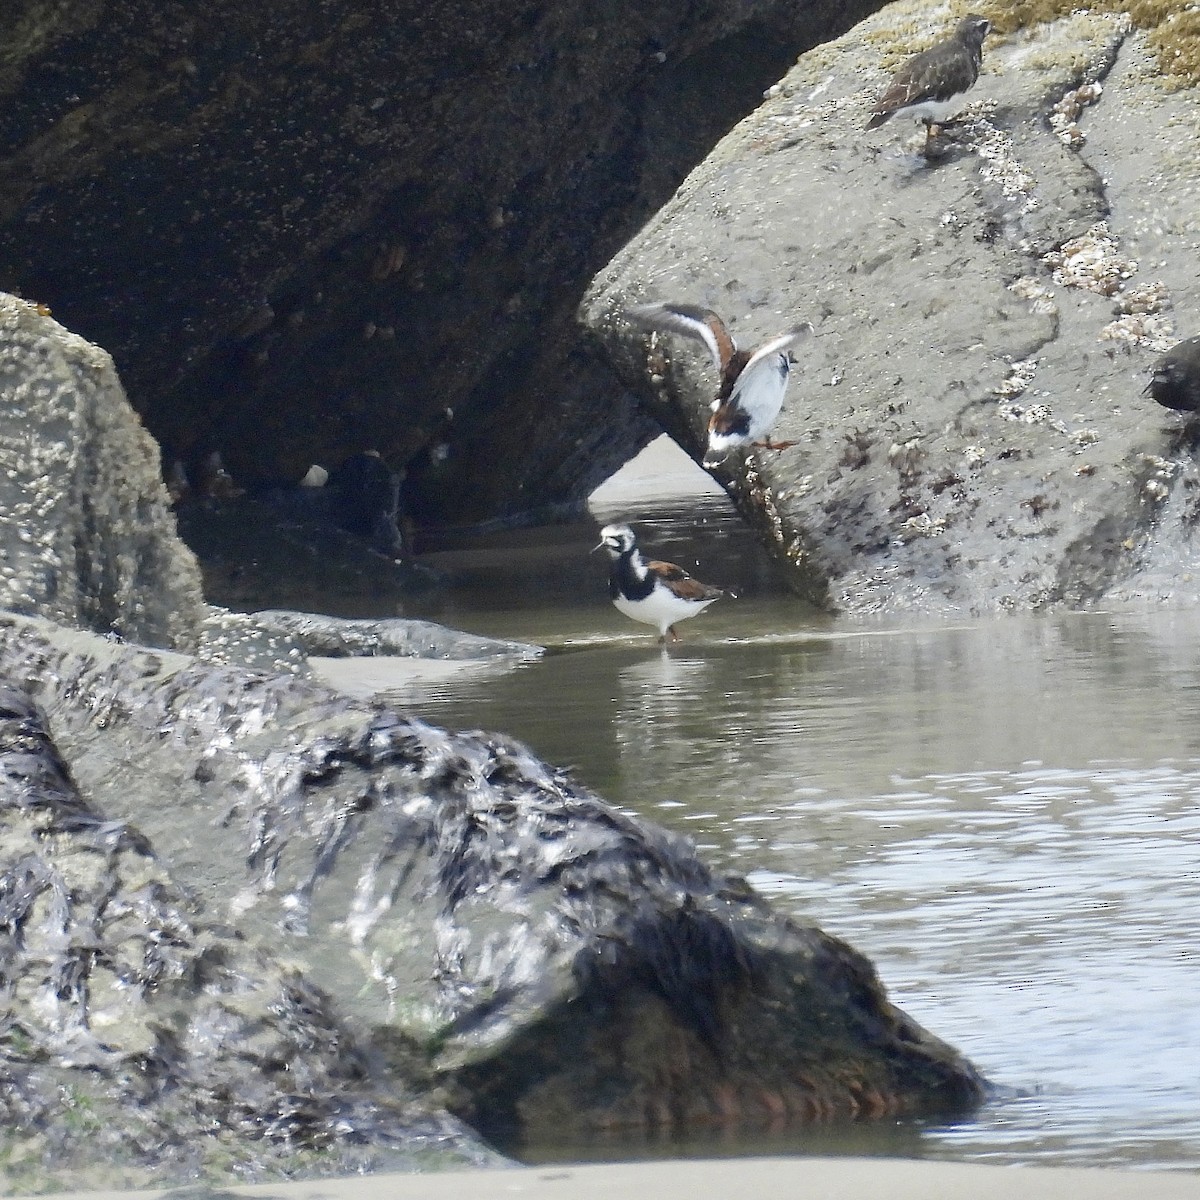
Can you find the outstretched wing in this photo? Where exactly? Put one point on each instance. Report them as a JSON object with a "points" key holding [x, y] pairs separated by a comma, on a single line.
{"points": [[785, 341], [692, 321]]}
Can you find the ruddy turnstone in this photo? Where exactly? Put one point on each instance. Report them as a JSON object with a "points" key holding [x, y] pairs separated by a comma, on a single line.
{"points": [[931, 84], [752, 382], [1175, 382], [655, 593]]}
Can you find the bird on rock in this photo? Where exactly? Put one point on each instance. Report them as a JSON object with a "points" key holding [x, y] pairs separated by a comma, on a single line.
{"points": [[1175, 380], [655, 593], [931, 84], [753, 382]]}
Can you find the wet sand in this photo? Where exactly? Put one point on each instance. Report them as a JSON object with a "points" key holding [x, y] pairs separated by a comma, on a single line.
{"points": [[823, 1178]]}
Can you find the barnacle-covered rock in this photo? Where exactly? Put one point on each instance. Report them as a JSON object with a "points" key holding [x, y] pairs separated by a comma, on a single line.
{"points": [[87, 537], [145, 1041], [936, 287]]}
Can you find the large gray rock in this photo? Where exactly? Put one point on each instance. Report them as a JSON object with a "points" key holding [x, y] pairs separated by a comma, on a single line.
{"points": [[492, 929], [142, 1041], [307, 230], [972, 434], [87, 537]]}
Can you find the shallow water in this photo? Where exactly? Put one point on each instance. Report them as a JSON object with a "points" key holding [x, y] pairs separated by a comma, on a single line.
{"points": [[1002, 814]]}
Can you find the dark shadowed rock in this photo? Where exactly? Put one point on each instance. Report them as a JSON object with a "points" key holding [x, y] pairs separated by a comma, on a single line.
{"points": [[1175, 379], [311, 231], [286, 544], [971, 430], [551, 963]]}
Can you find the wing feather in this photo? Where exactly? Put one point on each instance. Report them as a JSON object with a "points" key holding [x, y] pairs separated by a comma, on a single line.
{"points": [[692, 321], [666, 570], [682, 584], [777, 345], [939, 73]]}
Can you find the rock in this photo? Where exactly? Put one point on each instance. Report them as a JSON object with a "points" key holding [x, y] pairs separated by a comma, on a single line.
{"points": [[144, 1042], [972, 434], [366, 501], [304, 237], [336, 637], [285, 547], [547, 963], [86, 533], [281, 640]]}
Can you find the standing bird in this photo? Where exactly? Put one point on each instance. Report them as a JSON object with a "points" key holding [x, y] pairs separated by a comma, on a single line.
{"points": [[655, 593], [1175, 381], [931, 83], [752, 383]]}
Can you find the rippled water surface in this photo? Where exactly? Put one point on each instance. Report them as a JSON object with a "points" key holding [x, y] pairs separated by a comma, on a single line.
{"points": [[1002, 814]]}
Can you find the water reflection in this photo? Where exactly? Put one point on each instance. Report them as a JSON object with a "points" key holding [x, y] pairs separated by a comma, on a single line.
{"points": [[1044, 920], [1002, 815]]}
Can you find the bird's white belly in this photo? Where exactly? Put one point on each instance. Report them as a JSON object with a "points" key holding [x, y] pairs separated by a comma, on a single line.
{"points": [[760, 397], [935, 111], [662, 608]]}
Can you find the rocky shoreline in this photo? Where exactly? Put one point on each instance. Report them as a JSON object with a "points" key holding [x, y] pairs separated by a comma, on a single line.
{"points": [[250, 926], [469, 930]]}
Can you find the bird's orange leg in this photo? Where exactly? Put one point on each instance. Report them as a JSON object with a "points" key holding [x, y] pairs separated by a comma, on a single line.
{"points": [[933, 132]]}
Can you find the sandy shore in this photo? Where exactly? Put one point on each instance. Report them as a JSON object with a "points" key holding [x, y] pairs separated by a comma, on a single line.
{"points": [[808, 1178]]}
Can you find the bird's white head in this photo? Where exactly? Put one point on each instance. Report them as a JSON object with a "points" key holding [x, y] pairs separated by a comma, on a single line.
{"points": [[616, 539]]}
